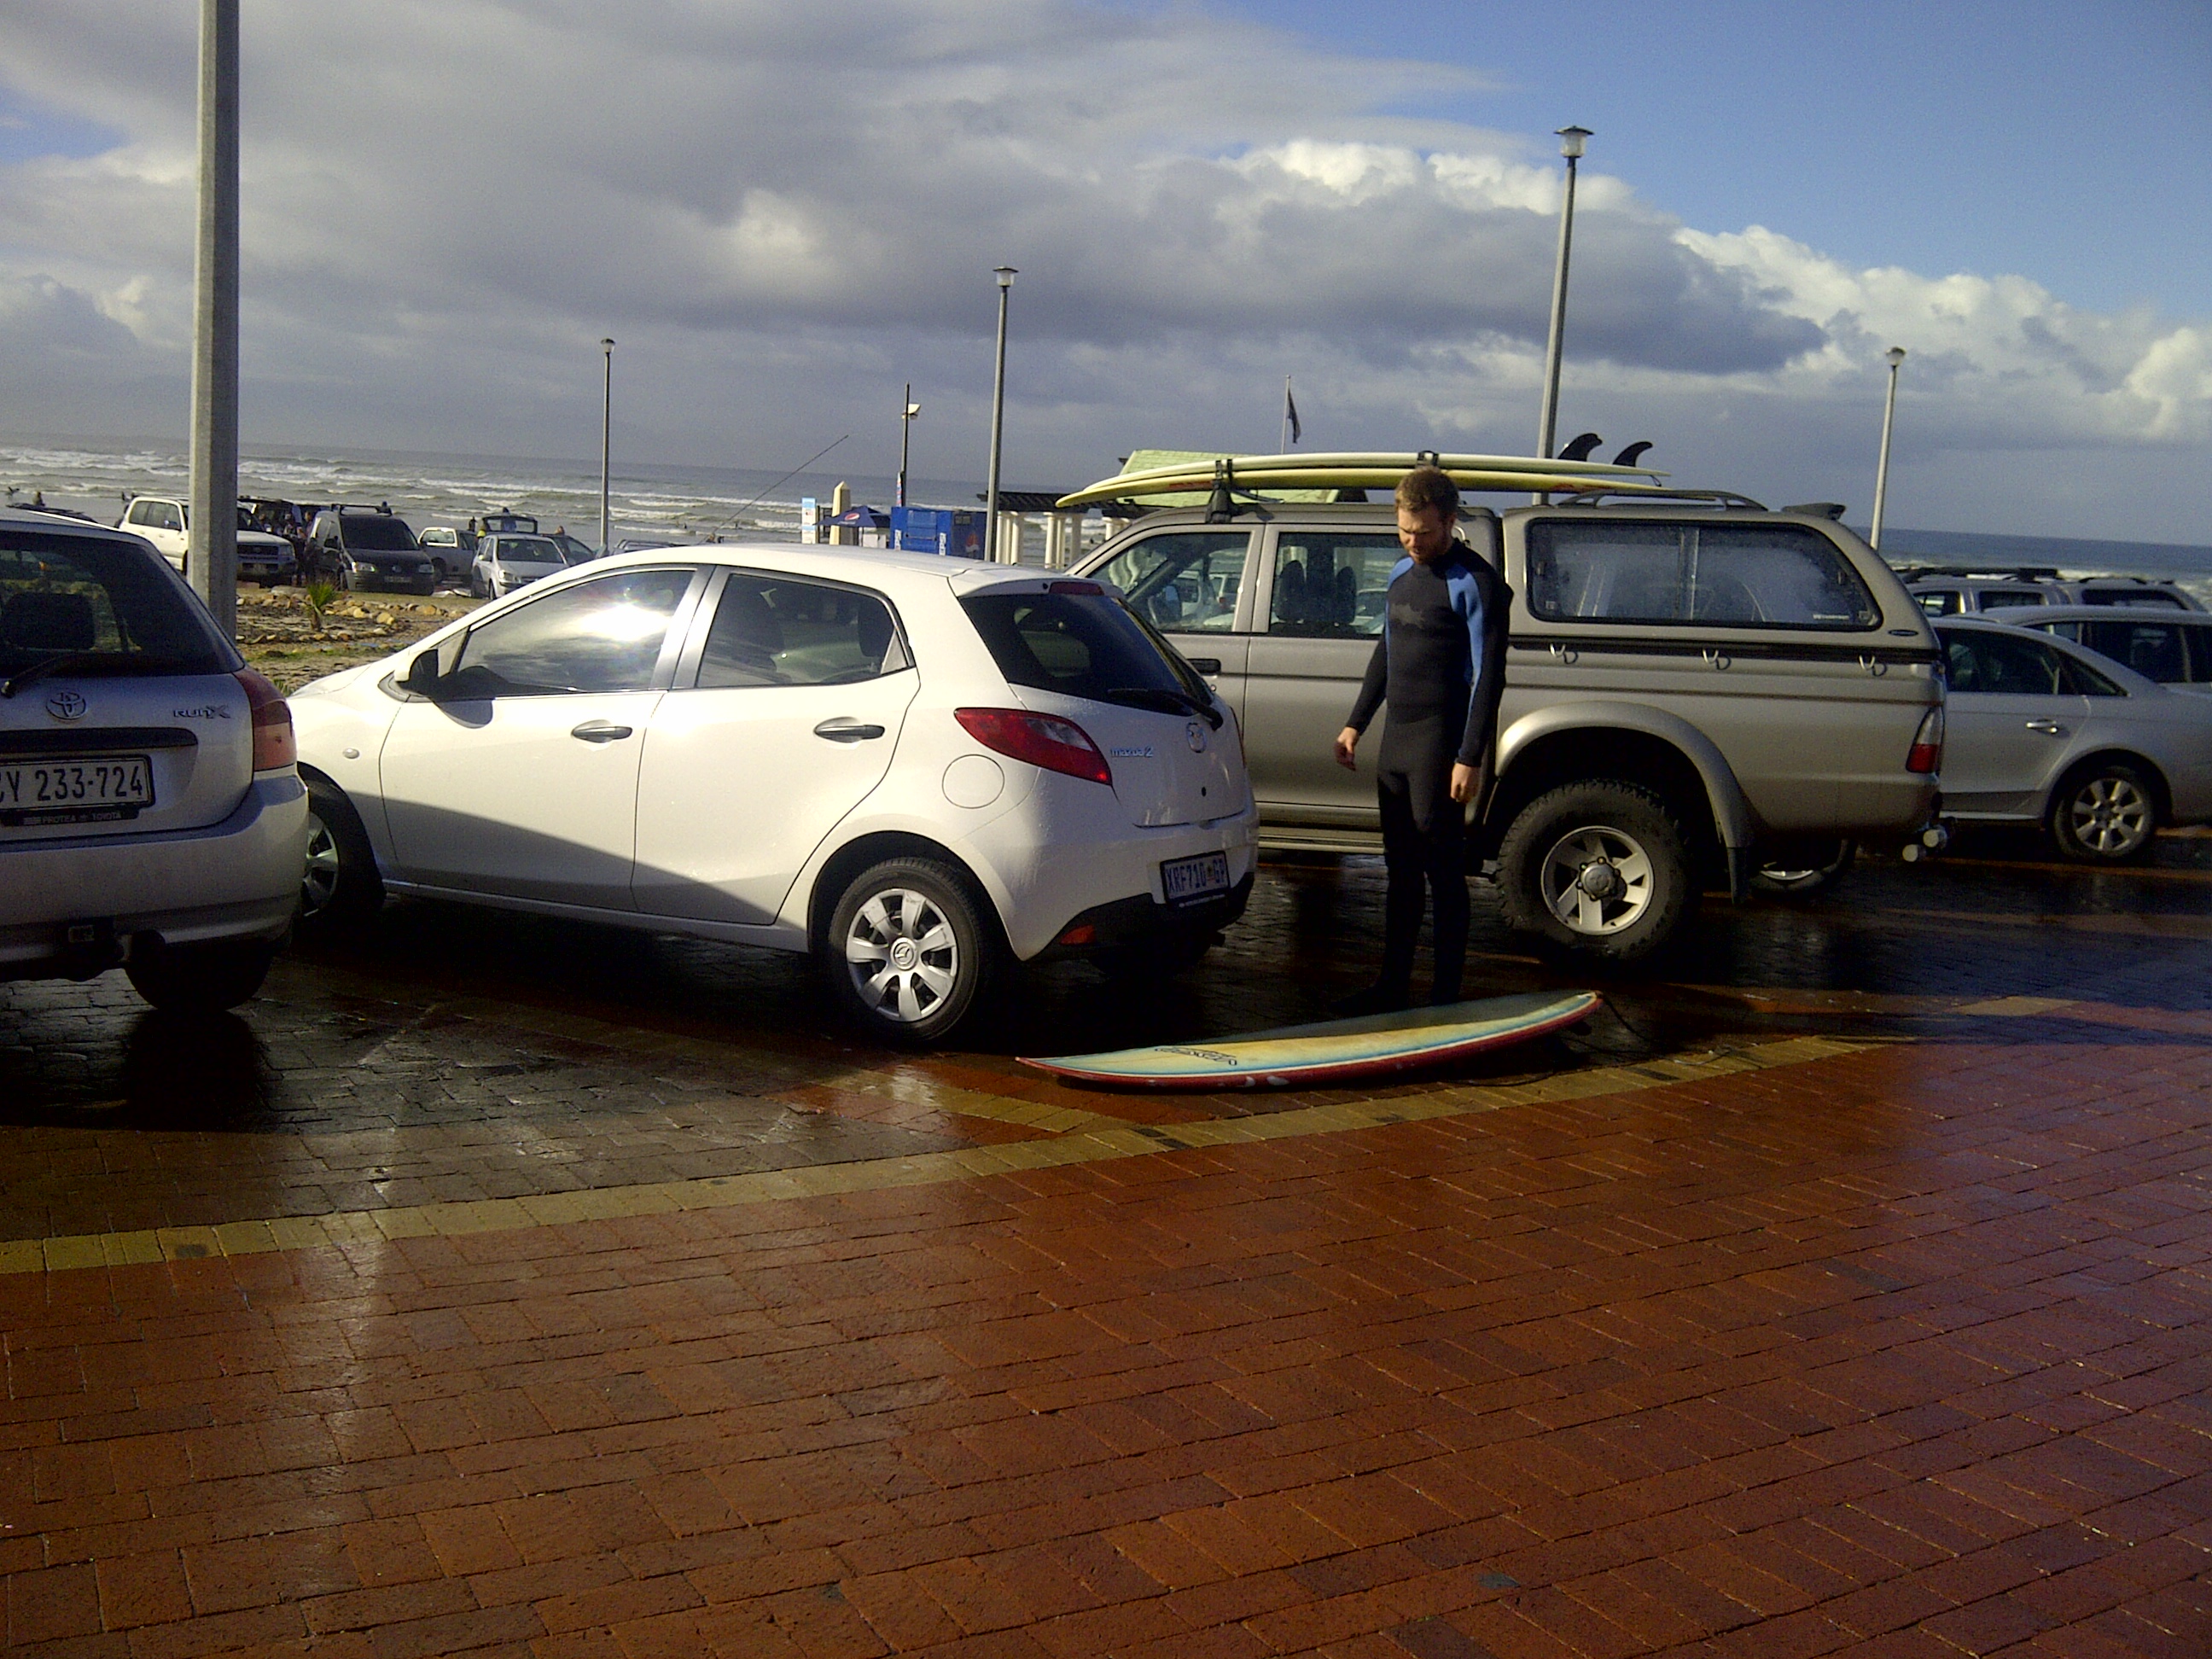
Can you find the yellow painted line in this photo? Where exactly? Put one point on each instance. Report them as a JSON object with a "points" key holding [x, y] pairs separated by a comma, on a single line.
{"points": [[1100, 1140], [2016, 1006]]}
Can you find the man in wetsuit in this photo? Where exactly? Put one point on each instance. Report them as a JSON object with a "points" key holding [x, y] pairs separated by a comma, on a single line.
{"points": [[1440, 664]]}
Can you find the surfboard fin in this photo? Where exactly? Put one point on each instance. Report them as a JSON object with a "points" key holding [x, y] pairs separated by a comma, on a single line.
{"points": [[1578, 449], [1633, 453]]}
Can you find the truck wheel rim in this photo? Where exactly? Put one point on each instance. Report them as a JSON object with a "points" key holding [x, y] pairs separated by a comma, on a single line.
{"points": [[1597, 880], [2111, 816], [902, 955], [318, 882]]}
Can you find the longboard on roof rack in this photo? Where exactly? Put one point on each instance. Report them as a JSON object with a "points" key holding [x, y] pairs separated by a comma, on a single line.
{"points": [[1187, 473]]}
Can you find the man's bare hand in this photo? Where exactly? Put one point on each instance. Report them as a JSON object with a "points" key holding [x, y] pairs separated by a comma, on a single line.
{"points": [[1346, 741], [1465, 781]]}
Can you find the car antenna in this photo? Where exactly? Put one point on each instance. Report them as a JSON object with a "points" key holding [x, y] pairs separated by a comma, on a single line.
{"points": [[793, 473]]}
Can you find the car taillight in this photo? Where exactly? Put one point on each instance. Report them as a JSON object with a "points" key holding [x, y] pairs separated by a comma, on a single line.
{"points": [[274, 747], [1057, 746], [1927, 752]]}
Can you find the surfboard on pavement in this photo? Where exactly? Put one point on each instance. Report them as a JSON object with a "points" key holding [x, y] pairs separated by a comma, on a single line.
{"points": [[1333, 1051]]}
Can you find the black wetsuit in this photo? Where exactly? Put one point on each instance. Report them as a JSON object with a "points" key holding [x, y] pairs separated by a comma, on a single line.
{"points": [[1440, 664]]}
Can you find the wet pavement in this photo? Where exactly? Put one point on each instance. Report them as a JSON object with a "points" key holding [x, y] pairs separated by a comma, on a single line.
{"points": [[511, 1287]]}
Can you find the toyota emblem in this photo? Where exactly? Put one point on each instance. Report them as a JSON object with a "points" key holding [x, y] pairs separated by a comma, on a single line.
{"points": [[66, 705], [1195, 734]]}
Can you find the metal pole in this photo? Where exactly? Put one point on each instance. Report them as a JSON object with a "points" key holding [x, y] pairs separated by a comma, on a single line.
{"points": [[212, 546], [1896, 356], [1005, 275], [606, 444], [906, 426], [1546, 429]]}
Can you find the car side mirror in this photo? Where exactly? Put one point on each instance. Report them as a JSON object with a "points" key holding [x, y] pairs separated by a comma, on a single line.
{"points": [[423, 678]]}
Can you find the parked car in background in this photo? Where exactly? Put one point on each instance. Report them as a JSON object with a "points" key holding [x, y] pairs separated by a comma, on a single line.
{"points": [[364, 548], [151, 818], [574, 548], [505, 562], [2173, 648], [165, 521], [452, 550], [2043, 731], [644, 544], [1974, 593], [915, 772], [1698, 691]]}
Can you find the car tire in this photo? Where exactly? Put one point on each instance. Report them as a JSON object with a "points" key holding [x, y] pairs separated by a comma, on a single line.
{"points": [[911, 951], [1808, 871], [2105, 813], [340, 891], [1597, 871], [200, 978]]}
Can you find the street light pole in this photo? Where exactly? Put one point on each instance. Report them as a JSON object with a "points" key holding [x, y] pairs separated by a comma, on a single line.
{"points": [[908, 410], [1570, 146], [1893, 357], [1006, 273], [606, 443], [212, 544]]}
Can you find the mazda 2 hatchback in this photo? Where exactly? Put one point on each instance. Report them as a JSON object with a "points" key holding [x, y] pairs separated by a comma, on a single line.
{"points": [[918, 770], [150, 815]]}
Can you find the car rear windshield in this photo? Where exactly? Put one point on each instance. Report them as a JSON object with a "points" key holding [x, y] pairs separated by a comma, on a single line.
{"points": [[1084, 645], [99, 607], [528, 550], [377, 534]]}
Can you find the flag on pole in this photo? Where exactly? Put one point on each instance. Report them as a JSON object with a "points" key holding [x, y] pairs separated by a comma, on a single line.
{"points": [[1291, 411]]}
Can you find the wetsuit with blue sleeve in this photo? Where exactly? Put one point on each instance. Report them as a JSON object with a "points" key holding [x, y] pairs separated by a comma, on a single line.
{"points": [[1440, 665]]}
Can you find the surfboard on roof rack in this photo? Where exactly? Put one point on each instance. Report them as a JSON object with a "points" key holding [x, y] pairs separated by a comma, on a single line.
{"points": [[1166, 478]]}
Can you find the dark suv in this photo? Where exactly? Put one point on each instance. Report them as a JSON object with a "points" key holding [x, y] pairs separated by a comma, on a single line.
{"points": [[367, 548]]}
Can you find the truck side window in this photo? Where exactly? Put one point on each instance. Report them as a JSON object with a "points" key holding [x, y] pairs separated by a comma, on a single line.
{"points": [[1183, 581], [1331, 585], [1697, 574]]}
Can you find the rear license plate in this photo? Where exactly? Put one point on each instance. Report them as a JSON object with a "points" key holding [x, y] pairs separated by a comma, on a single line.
{"points": [[1188, 881], [96, 789]]}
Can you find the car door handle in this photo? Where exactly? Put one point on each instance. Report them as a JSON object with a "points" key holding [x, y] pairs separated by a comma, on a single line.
{"points": [[599, 732], [1207, 665], [2049, 728], [844, 729]]}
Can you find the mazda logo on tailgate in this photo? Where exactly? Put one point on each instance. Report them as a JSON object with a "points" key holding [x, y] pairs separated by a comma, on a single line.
{"points": [[66, 705]]}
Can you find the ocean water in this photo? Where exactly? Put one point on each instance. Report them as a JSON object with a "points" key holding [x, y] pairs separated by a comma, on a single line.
{"points": [[96, 476]]}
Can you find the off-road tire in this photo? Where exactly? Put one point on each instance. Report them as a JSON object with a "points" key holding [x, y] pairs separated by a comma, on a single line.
{"points": [[912, 951], [200, 978], [1810, 871], [1576, 827], [2105, 813], [340, 891]]}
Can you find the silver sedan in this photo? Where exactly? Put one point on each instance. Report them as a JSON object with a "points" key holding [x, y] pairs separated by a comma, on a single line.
{"points": [[2042, 732]]}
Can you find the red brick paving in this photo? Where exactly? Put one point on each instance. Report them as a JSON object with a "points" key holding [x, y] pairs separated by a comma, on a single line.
{"points": [[1899, 1353]]}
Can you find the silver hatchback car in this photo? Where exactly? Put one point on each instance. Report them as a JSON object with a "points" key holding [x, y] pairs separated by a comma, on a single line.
{"points": [[2043, 731], [151, 814]]}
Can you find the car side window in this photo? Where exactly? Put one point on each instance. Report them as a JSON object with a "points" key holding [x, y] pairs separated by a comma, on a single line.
{"points": [[2010, 599], [1331, 585], [603, 636], [2155, 650], [163, 515], [1182, 581], [1992, 664], [1943, 602], [2084, 681], [1769, 575], [776, 630]]}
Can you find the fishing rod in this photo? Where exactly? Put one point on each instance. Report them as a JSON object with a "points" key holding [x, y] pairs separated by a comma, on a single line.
{"points": [[793, 473]]}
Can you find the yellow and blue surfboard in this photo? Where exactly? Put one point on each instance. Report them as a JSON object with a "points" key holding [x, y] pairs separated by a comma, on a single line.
{"points": [[1333, 1051]]}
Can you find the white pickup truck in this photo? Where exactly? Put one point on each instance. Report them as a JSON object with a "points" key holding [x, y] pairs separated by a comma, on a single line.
{"points": [[164, 521]]}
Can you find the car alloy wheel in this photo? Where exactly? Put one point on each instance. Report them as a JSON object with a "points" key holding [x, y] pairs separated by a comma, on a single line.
{"points": [[1597, 880], [318, 882], [902, 955], [2106, 817], [340, 891]]}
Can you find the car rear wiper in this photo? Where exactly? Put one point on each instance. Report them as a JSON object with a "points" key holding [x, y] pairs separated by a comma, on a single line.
{"points": [[39, 670], [1166, 701]]}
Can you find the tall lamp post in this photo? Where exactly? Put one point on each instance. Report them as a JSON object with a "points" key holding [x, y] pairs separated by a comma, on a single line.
{"points": [[1570, 146], [606, 437], [1006, 273], [1893, 357], [908, 410], [213, 543]]}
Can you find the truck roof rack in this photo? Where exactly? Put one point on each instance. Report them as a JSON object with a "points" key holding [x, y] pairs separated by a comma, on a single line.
{"points": [[2011, 573], [1598, 495]]}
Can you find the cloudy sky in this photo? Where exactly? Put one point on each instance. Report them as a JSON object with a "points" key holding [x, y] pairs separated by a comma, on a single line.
{"points": [[784, 211]]}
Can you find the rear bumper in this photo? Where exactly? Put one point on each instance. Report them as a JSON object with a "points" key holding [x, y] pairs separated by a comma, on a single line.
{"points": [[74, 906], [1143, 920]]}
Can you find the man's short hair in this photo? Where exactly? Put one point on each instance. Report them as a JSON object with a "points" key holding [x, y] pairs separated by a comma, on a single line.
{"points": [[1425, 487]]}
